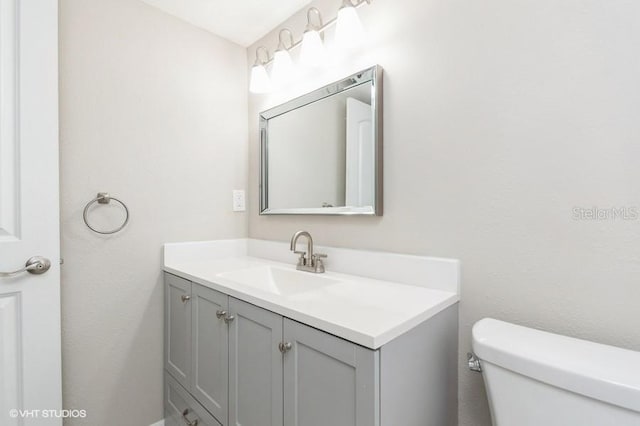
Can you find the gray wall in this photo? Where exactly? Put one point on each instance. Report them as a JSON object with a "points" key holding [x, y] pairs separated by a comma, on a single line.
{"points": [[154, 111], [500, 118]]}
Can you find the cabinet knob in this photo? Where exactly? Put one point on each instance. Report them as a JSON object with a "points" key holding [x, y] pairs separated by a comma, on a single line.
{"points": [[220, 314], [229, 318], [186, 420], [285, 347], [185, 298]]}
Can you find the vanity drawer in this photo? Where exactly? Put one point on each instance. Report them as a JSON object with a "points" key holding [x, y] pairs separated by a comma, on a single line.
{"points": [[177, 400]]}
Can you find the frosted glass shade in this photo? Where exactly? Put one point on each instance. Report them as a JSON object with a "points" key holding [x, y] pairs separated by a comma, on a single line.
{"points": [[349, 31], [313, 52], [283, 70], [260, 82]]}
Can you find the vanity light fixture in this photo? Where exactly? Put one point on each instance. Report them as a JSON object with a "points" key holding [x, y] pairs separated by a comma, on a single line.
{"points": [[313, 51], [283, 69], [260, 81], [349, 31]]}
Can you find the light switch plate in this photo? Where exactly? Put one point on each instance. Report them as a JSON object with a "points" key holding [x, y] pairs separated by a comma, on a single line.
{"points": [[238, 200]]}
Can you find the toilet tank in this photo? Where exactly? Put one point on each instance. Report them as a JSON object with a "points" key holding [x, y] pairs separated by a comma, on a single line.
{"points": [[536, 378]]}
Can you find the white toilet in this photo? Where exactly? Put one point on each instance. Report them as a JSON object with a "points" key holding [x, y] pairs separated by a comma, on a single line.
{"points": [[535, 378]]}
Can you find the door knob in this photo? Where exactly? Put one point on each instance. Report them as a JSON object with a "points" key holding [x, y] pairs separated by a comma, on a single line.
{"points": [[36, 265]]}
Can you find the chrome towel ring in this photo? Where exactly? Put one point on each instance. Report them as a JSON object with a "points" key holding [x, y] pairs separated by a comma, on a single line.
{"points": [[104, 198]]}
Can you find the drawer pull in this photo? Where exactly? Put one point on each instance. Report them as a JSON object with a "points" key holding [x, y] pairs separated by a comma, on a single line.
{"points": [[220, 314], [229, 318], [185, 298], [186, 420]]}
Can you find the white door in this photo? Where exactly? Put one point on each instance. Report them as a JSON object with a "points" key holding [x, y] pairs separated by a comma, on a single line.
{"points": [[360, 181], [30, 366]]}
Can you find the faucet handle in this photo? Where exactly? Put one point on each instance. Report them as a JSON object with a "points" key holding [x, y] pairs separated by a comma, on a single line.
{"points": [[302, 255], [316, 262]]}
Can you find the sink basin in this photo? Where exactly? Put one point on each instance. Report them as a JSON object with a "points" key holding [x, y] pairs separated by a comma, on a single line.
{"points": [[280, 281]]}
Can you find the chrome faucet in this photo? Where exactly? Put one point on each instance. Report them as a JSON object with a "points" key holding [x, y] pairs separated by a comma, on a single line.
{"points": [[308, 261]]}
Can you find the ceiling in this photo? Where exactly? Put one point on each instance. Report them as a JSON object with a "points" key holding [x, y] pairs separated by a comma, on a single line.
{"points": [[241, 21]]}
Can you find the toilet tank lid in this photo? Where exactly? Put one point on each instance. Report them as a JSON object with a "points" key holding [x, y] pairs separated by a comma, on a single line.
{"points": [[602, 372]]}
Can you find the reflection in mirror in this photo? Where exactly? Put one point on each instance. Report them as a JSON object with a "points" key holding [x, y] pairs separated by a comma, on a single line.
{"points": [[321, 153]]}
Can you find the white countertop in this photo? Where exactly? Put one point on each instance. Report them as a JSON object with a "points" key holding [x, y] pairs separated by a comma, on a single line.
{"points": [[366, 311]]}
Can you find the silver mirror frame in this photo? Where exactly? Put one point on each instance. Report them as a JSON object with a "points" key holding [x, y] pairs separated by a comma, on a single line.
{"points": [[372, 75]]}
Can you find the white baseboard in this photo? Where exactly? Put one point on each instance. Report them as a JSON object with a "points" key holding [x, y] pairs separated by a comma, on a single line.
{"points": [[160, 423]]}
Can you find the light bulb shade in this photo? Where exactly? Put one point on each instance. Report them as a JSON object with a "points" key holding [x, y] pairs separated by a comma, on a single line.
{"points": [[349, 31], [283, 70], [260, 82], [313, 52]]}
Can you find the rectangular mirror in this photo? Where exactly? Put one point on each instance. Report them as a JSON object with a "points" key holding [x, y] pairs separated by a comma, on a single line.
{"points": [[321, 153]]}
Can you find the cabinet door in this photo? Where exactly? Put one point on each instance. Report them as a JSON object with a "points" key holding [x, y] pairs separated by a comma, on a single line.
{"points": [[255, 366], [177, 328], [210, 351], [328, 380]]}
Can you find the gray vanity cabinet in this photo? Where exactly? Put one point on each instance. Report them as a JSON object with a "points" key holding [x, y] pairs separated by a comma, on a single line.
{"points": [[328, 380], [248, 366], [210, 350], [177, 318], [255, 366], [230, 363]]}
